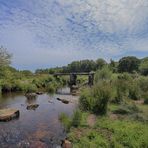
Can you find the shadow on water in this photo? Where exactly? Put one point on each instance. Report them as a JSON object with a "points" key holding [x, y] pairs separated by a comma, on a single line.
{"points": [[39, 127]]}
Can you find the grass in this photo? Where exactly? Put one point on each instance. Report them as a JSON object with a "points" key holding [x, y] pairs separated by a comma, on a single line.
{"points": [[110, 133]]}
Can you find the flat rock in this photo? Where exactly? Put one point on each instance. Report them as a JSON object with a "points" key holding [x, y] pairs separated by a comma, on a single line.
{"points": [[8, 114]]}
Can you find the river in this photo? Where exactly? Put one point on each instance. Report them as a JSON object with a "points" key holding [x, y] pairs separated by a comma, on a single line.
{"points": [[39, 127]]}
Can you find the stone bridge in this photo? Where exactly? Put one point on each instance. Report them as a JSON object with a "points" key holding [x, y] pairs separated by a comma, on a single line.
{"points": [[73, 77]]}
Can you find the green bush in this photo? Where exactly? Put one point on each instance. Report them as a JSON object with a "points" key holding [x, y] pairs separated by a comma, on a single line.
{"points": [[66, 121], [76, 119], [146, 98], [96, 99], [86, 100], [101, 94], [121, 90], [127, 109], [134, 91], [103, 74], [143, 84]]}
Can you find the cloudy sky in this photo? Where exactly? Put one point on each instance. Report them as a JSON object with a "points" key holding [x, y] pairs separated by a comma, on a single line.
{"points": [[47, 33]]}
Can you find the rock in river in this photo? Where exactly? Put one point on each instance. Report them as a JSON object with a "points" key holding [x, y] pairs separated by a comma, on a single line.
{"points": [[8, 114], [63, 101], [32, 106]]}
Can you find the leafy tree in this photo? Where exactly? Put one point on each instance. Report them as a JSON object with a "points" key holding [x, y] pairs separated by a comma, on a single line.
{"points": [[113, 65], [100, 63], [5, 57], [144, 66], [128, 64]]}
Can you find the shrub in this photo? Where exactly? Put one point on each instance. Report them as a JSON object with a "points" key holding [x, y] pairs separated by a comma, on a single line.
{"points": [[66, 121], [76, 119], [134, 91], [121, 90], [96, 99], [101, 94], [103, 74], [127, 109], [143, 84], [146, 98], [86, 100], [51, 88]]}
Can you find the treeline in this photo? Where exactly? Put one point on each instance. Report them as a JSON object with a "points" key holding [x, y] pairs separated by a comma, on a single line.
{"points": [[12, 80], [128, 64]]}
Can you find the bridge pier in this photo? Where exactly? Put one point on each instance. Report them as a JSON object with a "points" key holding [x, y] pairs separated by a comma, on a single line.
{"points": [[91, 79], [73, 79]]}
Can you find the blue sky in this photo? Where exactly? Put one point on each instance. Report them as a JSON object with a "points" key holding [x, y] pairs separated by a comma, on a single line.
{"points": [[48, 33]]}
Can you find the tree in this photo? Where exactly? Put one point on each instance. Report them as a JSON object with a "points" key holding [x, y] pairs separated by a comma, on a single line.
{"points": [[5, 57], [144, 66], [128, 64], [100, 63]]}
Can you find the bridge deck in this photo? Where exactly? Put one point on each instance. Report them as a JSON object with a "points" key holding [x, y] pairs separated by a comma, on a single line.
{"points": [[74, 73]]}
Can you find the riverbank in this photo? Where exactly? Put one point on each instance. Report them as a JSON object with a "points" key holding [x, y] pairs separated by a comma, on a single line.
{"points": [[112, 130]]}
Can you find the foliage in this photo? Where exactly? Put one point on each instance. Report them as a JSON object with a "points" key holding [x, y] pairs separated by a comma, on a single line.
{"points": [[4, 57], [127, 109], [96, 99], [144, 66], [110, 133], [128, 64], [73, 121], [76, 119], [66, 121], [103, 74], [100, 63]]}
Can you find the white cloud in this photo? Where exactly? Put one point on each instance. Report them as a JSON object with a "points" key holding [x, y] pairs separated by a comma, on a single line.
{"points": [[44, 32]]}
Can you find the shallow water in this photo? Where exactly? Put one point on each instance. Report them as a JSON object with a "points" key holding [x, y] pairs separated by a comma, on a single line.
{"points": [[35, 127]]}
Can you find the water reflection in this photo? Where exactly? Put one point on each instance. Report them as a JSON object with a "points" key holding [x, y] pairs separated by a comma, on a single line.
{"points": [[31, 100]]}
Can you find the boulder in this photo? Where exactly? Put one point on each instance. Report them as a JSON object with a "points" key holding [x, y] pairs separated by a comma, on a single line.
{"points": [[39, 93], [8, 114], [63, 101], [32, 106]]}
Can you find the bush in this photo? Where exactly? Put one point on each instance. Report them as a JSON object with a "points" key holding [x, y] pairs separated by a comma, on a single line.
{"points": [[143, 84], [103, 74], [134, 91], [146, 98], [76, 119], [127, 109], [66, 121], [96, 99], [121, 90], [101, 94], [86, 100]]}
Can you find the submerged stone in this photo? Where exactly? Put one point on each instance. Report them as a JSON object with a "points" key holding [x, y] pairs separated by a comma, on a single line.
{"points": [[8, 114], [32, 106]]}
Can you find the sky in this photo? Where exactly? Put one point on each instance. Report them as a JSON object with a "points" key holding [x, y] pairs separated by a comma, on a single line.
{"points": [[49, 33]]}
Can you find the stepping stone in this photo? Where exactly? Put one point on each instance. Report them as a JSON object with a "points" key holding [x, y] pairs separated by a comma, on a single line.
{"points": [[32, 106], [8, 114]]}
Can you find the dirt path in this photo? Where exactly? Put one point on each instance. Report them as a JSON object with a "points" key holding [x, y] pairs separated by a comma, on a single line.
{"points": [[91, 120]]}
